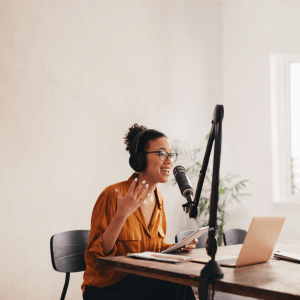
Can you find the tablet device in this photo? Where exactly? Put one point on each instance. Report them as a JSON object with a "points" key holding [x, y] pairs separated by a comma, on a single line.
{"points": [[187, 240]]}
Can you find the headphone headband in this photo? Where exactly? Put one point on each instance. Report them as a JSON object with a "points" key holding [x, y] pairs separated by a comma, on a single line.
{"points": [[135, 142]]}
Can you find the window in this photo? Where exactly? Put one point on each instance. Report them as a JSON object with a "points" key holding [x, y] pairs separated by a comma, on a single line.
{"points": [[285, 111], [295, 126]]}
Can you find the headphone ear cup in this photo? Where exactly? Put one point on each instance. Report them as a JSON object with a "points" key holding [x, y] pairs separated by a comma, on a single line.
{"points": [[142, 161], [134, 162], [137, 160]]}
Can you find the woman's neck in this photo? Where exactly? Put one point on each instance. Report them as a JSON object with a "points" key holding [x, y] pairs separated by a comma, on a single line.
{"points": [[152, 185]]}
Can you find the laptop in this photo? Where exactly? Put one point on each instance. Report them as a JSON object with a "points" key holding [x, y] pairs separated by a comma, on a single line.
{"points": [[259, 242]]}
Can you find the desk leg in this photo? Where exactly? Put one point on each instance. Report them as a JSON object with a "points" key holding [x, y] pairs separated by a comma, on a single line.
{"points": [[180, 293]]}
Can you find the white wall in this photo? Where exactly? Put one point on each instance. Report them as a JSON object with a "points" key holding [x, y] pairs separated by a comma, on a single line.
{"points": [[252, 31], [74, 75]]}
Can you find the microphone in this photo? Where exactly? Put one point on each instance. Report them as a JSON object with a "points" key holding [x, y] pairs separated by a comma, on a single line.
{"points": [[184, 183]]}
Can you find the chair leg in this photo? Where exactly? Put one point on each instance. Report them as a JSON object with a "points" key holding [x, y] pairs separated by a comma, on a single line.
{"points": [[63, 294], [181, 291]]}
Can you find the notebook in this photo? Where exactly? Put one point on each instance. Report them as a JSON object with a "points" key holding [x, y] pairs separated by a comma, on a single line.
{"points": [[287, 256], [160, 257], [259, 242]]}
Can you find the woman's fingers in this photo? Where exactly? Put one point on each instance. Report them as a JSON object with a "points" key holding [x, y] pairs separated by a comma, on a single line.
{"points": [[143, 192], [131, 201], [190, 246], [132, 186], [194, 242], [139, 188]]}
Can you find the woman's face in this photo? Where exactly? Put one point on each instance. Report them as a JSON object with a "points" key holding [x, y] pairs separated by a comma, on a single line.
{"points": [[156, 170]]}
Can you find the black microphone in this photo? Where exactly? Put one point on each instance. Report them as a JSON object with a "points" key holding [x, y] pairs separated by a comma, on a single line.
{"points": [[184, 183]]}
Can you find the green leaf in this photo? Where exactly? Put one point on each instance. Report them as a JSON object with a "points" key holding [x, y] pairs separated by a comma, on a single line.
{"points": [[222, 191]]}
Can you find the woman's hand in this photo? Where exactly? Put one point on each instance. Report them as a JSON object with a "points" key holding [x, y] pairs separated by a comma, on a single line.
{"points": [[132, 200], [190, 247]]}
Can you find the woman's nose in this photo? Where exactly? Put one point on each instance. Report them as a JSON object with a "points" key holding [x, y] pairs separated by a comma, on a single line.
{"points": [[169, 159]]}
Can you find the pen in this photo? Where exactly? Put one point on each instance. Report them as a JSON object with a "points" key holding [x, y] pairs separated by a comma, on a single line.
{"points": [[167, 257]]}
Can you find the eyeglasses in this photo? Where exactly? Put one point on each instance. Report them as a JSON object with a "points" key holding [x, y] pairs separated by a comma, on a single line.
{"points": [[163, 155]]}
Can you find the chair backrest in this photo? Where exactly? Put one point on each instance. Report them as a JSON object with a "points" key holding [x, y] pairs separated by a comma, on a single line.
{"points": [[201, 240], [67, 250], [234, 236]]}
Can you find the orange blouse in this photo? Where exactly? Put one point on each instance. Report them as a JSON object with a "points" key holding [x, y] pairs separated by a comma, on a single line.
{"points": [[134, 237]]}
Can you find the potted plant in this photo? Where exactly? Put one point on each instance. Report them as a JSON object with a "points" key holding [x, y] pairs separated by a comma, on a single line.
{"points": [[231, 187]]}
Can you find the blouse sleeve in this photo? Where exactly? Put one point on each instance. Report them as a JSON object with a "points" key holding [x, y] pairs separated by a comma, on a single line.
{"points": [[103, 213]]}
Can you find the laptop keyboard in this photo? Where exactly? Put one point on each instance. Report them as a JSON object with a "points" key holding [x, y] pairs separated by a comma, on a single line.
{"points": [[228, 261]]}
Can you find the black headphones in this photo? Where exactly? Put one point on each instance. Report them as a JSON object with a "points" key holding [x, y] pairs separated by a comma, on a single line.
{"points": [[137, 160]]}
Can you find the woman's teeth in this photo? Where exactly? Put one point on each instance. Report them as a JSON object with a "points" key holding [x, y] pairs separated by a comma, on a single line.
{"points": [[166, 171]]}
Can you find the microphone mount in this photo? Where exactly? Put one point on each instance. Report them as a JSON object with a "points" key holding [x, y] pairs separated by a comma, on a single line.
{"points": [[187, 206], [212, 269]]}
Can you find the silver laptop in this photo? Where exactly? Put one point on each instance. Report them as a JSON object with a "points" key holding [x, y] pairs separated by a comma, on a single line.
{"points": [[259, 242]]}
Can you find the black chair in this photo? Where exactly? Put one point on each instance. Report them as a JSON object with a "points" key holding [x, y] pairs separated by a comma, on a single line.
{"points": [[67, 253], [234, 236]]}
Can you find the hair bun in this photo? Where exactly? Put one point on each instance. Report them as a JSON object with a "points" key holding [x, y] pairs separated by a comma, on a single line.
{"points": [[132, 132]]}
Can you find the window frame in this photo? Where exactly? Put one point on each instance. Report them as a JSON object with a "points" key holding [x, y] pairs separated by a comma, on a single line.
{"points": [[281, 127]]}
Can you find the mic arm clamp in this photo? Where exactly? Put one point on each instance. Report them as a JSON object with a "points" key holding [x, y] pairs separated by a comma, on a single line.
{"points": [[213, 228]]}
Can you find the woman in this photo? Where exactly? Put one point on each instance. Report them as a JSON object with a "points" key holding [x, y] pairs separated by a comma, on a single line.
{"points": [[129, 217]]}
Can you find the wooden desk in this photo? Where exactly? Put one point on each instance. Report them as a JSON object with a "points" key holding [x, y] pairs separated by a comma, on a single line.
{"points": [[276, 279]]}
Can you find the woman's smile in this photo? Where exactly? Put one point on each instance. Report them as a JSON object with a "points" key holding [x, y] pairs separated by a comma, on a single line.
{"points": [[166, 171]]}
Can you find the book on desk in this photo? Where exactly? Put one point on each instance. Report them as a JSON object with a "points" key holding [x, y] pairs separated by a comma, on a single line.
{"points": [[171, 258], [287, 256]]}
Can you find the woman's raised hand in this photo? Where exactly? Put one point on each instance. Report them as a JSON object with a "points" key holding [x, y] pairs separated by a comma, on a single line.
{"points": [[132, 200]]}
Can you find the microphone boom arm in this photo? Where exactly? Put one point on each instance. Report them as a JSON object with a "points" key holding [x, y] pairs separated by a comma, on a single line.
{"points": [[212, 269], [194, 207]]}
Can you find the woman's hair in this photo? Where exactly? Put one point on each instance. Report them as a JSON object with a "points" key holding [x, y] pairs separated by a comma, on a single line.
{"points": [[144, 140]]}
